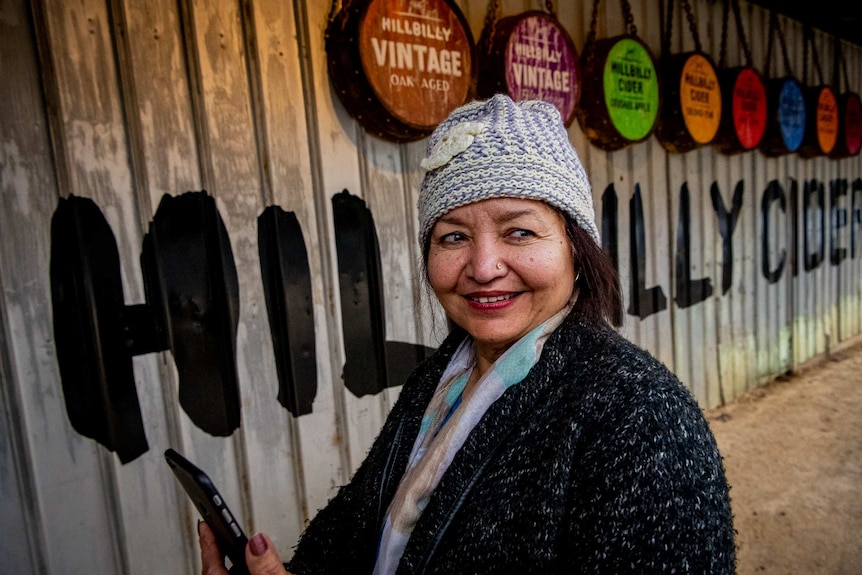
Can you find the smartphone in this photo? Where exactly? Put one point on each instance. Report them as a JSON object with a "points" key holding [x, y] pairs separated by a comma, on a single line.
{"points": [[212, 507]]}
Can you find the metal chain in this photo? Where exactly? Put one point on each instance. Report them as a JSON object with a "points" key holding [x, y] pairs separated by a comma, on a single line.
{"points": [[839, 55], [815, 57], [549, 6], [629, 19], [787, 69], [668, 29], [594, 19], [591, 35], [486, 41], [692, 24], [740, 31], [722, 53]]}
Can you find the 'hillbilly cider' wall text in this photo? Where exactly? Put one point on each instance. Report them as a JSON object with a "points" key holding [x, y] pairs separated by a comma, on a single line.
{"points": [[417, 56]]}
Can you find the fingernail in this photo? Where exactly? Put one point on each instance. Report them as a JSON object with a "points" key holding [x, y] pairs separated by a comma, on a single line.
{"points": [[258, 545]]}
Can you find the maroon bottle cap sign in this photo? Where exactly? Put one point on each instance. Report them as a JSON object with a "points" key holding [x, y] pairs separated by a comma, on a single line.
{"points": [[853, 124], [541, 64]]}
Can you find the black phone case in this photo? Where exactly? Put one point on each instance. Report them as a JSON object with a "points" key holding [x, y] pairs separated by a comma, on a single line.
{"points": [[212, 507]]}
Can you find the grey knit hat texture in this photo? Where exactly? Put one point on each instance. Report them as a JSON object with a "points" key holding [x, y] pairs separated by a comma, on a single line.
{"points": [[498, 148]]}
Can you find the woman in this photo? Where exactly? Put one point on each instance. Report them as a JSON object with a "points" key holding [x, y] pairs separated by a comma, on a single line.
{"points": [[536, 439]]}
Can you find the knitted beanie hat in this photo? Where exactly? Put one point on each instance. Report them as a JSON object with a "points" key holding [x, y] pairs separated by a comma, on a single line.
{"points": [[501, 149]]}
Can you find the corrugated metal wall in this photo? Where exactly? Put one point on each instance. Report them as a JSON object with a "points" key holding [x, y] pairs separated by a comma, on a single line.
{"points": [[122, 102]]}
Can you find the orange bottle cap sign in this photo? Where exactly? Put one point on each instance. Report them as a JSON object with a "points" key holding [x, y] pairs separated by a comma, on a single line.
{"points": [[827, 120], [700, 98]]}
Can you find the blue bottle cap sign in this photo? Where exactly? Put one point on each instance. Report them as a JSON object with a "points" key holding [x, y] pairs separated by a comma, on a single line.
{"points": [[791, 114]]}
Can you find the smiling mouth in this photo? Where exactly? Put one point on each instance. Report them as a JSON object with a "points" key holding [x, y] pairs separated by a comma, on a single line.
{"points": [[492, 299]]}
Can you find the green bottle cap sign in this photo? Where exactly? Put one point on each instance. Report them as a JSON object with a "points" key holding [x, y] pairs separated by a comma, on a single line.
{"points": [[631, 89]]}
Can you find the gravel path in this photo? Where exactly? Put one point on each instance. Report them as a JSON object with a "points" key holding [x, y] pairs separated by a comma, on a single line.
{"points": [[793, 455]]}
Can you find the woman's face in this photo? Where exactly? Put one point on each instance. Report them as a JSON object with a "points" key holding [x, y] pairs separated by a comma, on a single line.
{"points": [[501, 267]]}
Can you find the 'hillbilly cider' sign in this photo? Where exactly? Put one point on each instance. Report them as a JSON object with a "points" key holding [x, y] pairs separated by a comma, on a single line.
{"points": [[821, 129], [531, 57], [691, 110], [849, 126], [417, 57], [744, 102], [621, 95]]}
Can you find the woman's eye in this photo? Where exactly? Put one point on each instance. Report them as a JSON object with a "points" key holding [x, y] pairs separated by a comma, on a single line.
{"points": [[521, 234], [451, 238]]}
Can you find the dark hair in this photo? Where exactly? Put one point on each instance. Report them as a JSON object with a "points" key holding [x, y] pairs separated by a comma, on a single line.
{"points": [[600, 298]]}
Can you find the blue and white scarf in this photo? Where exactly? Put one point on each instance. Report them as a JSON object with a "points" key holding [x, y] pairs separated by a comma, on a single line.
{"points": [[445, 426]]}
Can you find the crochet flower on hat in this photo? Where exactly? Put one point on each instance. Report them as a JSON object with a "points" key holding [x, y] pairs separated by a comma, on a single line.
{"points": [[456, 140]]}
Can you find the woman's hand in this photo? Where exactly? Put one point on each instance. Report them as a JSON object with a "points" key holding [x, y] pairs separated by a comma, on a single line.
{"points": [[260, 555]]}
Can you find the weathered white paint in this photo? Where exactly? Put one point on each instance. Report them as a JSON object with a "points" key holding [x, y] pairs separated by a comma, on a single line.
{"points": [[124, 102]]}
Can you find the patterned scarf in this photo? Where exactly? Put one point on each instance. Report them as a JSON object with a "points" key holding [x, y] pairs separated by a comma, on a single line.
{"points": [[445, 426]]}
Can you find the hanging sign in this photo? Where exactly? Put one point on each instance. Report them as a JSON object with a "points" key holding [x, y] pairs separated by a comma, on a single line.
{"points": [[532, 57], [620, 89], [824, 104], [621, 95], [700, 98], [691, 105], [785, 104], [821, 103], [691, 110], [849, 140], [744, 96], [785, 126], [631, 88], [414, 64]]}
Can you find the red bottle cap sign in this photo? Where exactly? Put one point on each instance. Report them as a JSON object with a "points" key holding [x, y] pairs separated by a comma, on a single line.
{"points": [[541, 64], [417, 57], [749, 108]]}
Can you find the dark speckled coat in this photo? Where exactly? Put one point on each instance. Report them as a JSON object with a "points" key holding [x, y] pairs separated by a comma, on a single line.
{"points": [[599, 461]]}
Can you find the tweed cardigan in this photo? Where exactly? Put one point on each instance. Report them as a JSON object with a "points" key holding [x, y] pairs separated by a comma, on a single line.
{"points": [[599, 461]]}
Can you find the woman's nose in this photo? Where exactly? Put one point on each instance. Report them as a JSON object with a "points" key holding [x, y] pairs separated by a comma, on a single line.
{"points": [[486, 263]]}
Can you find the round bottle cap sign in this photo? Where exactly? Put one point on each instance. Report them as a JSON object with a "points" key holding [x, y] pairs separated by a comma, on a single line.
{"points": [[631, 89], [749, 108], [541, 64], [853, 125], [791, 114], [827, 120], [417, 57], [700, 98]]}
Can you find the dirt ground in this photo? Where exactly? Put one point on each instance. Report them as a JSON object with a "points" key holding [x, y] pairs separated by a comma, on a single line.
{"points": [[793, 455]]}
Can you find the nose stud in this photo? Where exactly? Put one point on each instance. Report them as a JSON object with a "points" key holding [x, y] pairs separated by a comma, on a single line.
{"points": [[499, 266]]}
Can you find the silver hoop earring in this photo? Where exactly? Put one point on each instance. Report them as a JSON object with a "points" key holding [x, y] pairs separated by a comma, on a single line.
{"points": [[577, 276]]}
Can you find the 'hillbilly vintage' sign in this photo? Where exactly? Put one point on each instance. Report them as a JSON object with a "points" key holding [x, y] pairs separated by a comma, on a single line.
{"points": [[417, 56], [532, 57]]}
